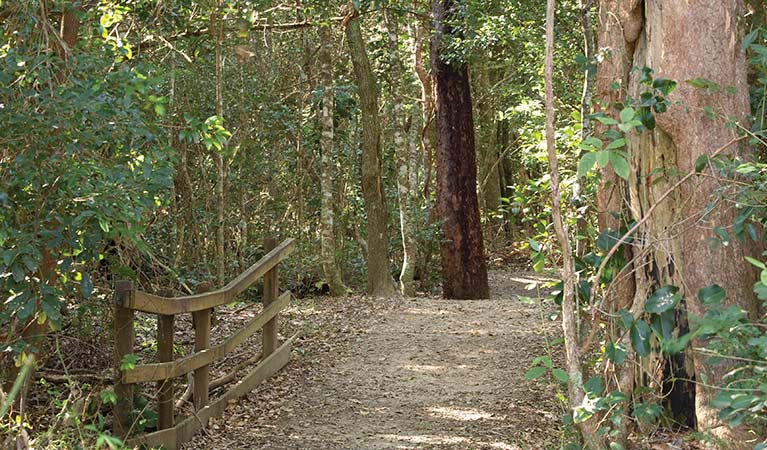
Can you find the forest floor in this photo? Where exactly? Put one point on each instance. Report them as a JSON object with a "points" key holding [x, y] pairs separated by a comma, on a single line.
{"points": [[404, 374]]}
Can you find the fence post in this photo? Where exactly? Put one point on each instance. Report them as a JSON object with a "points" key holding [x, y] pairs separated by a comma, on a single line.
{"points": [[271, 292], [124, 338], [201, 321], [165, 354]]}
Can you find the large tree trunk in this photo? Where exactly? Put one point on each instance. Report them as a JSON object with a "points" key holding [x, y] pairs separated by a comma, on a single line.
{"points": [[380, 281], [464, 272], [680, 41], [327, 184]]}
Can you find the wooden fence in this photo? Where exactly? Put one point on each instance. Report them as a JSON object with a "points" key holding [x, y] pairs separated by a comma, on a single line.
{"points": [[171, 432]]}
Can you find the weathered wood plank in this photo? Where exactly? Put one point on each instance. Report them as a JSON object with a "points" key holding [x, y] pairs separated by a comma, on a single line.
{"points": [[161, 371], [124, 339], [271, 291], [201, 322], [165, 387], [186, 429], [156, 304]]}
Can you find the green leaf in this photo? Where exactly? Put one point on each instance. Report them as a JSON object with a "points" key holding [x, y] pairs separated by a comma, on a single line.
{"points": [[750, 38], [615, 446], [603, 158], [128, 362], [592, 143], [545, 360], [594, 385], [30, 262], [615, 352], [18, 273], [760, 290], [711, 295], [535, 372], [663, 325], [586, 163], [604, 120], [627, 319], [676, 345], [109, 397], [647, 412], [663, 299], [701, 163], [620, 165], [104, 225], [618, 143], [627, 114], [560, 375], [640, 337], [756, 263], [665, 85]]}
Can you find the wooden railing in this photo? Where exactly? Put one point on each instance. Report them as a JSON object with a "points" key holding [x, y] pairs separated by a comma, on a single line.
{"points": [[171, 433]]}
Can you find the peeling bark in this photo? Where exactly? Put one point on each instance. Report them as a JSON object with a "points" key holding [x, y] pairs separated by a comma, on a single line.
{"points": [[679, 41]]}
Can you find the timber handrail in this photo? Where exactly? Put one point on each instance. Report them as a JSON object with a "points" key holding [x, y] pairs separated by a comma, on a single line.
{"points": [[156, 304], [170, 432], [182, 366]]}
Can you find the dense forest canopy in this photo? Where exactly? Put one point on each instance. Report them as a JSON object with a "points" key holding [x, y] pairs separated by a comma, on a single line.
{"points": [[407, 147]]}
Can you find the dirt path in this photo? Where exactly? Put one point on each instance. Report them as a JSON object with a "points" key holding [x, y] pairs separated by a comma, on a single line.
{"points": [[401, 374]]}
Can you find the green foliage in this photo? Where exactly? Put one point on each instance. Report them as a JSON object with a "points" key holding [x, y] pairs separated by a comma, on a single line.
{"points": [[740, 343], [87, 163], [635, 115]]}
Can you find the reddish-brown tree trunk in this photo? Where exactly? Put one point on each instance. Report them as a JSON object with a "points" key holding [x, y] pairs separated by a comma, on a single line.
{"points": [[464, 272]]}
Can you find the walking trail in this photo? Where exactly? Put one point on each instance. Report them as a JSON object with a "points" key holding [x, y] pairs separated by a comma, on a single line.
{"points": [[405, 374]]}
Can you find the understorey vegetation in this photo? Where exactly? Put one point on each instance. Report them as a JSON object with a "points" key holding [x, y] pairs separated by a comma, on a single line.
{"points": [[407, 147]]}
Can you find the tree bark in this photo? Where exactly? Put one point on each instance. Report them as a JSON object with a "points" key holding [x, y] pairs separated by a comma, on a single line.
{"points": [[380, 281], [680, 42], [406, 165], [464, 271], [327, 215], [427, 107]]}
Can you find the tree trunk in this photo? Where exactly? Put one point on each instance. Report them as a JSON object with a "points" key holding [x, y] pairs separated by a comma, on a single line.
{"points": [[427, 107], [380, 281], [426, 137], [406, 165], [675, 246], [327, 215], [464, 272]]}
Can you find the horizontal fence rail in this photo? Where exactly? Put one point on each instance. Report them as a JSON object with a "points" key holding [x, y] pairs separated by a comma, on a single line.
{"points": [[155, 304], [170, 432]]}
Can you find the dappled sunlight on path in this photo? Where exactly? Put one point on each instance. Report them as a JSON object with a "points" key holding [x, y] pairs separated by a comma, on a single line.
{"points": [[428, 373]]}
